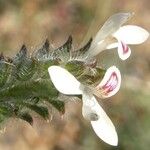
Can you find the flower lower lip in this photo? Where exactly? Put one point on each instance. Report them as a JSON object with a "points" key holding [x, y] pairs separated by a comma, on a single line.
{"points": [[94, 117], [111, 83]]}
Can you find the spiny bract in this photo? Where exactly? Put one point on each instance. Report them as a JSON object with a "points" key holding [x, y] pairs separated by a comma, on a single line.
{"points": [[25, 83]]}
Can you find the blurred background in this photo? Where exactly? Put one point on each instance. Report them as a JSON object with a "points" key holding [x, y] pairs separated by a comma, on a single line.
{"points": [[30, 22]]}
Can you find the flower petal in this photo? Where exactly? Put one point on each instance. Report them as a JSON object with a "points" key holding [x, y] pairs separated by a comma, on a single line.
{"points": [[109, 27], [110, 84], [112, 45], [104, 127], [124, 50], [87, 107], [64, 81], [131, 34]]}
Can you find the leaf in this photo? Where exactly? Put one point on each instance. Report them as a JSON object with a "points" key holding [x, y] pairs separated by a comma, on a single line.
{"points": [[75, 67], [20, 55], [82, 53], [44, 53], [4, 70], [6, 111], [67, 46], [43, 66], [26, 70], [26, 117], [44, 88], [85, 48], [59, 105], [30, 89], [24, 66], [27, 84], [41, 110], [93, 76], [63, 52]]}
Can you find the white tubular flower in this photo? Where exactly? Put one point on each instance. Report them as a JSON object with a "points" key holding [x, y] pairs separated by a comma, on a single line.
{"points": [[129, 34], [67, 84]]}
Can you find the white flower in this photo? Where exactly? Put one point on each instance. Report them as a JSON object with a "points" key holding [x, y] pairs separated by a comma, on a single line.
{"points": [[67, 84], [128, 34]]}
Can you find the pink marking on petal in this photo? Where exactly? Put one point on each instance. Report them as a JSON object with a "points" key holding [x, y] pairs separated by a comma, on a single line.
{"points": [[111, 84], [125, 48]]}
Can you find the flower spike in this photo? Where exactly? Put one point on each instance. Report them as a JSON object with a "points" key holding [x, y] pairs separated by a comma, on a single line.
{"points": [[67, 84]]}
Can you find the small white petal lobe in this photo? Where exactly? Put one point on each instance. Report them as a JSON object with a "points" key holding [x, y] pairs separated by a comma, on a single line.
{"points": [[104, 127], [64, 81], [131, 34]]}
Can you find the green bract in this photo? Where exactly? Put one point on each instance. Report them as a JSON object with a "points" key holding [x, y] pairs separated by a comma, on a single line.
{"points": [[25, 83]]}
